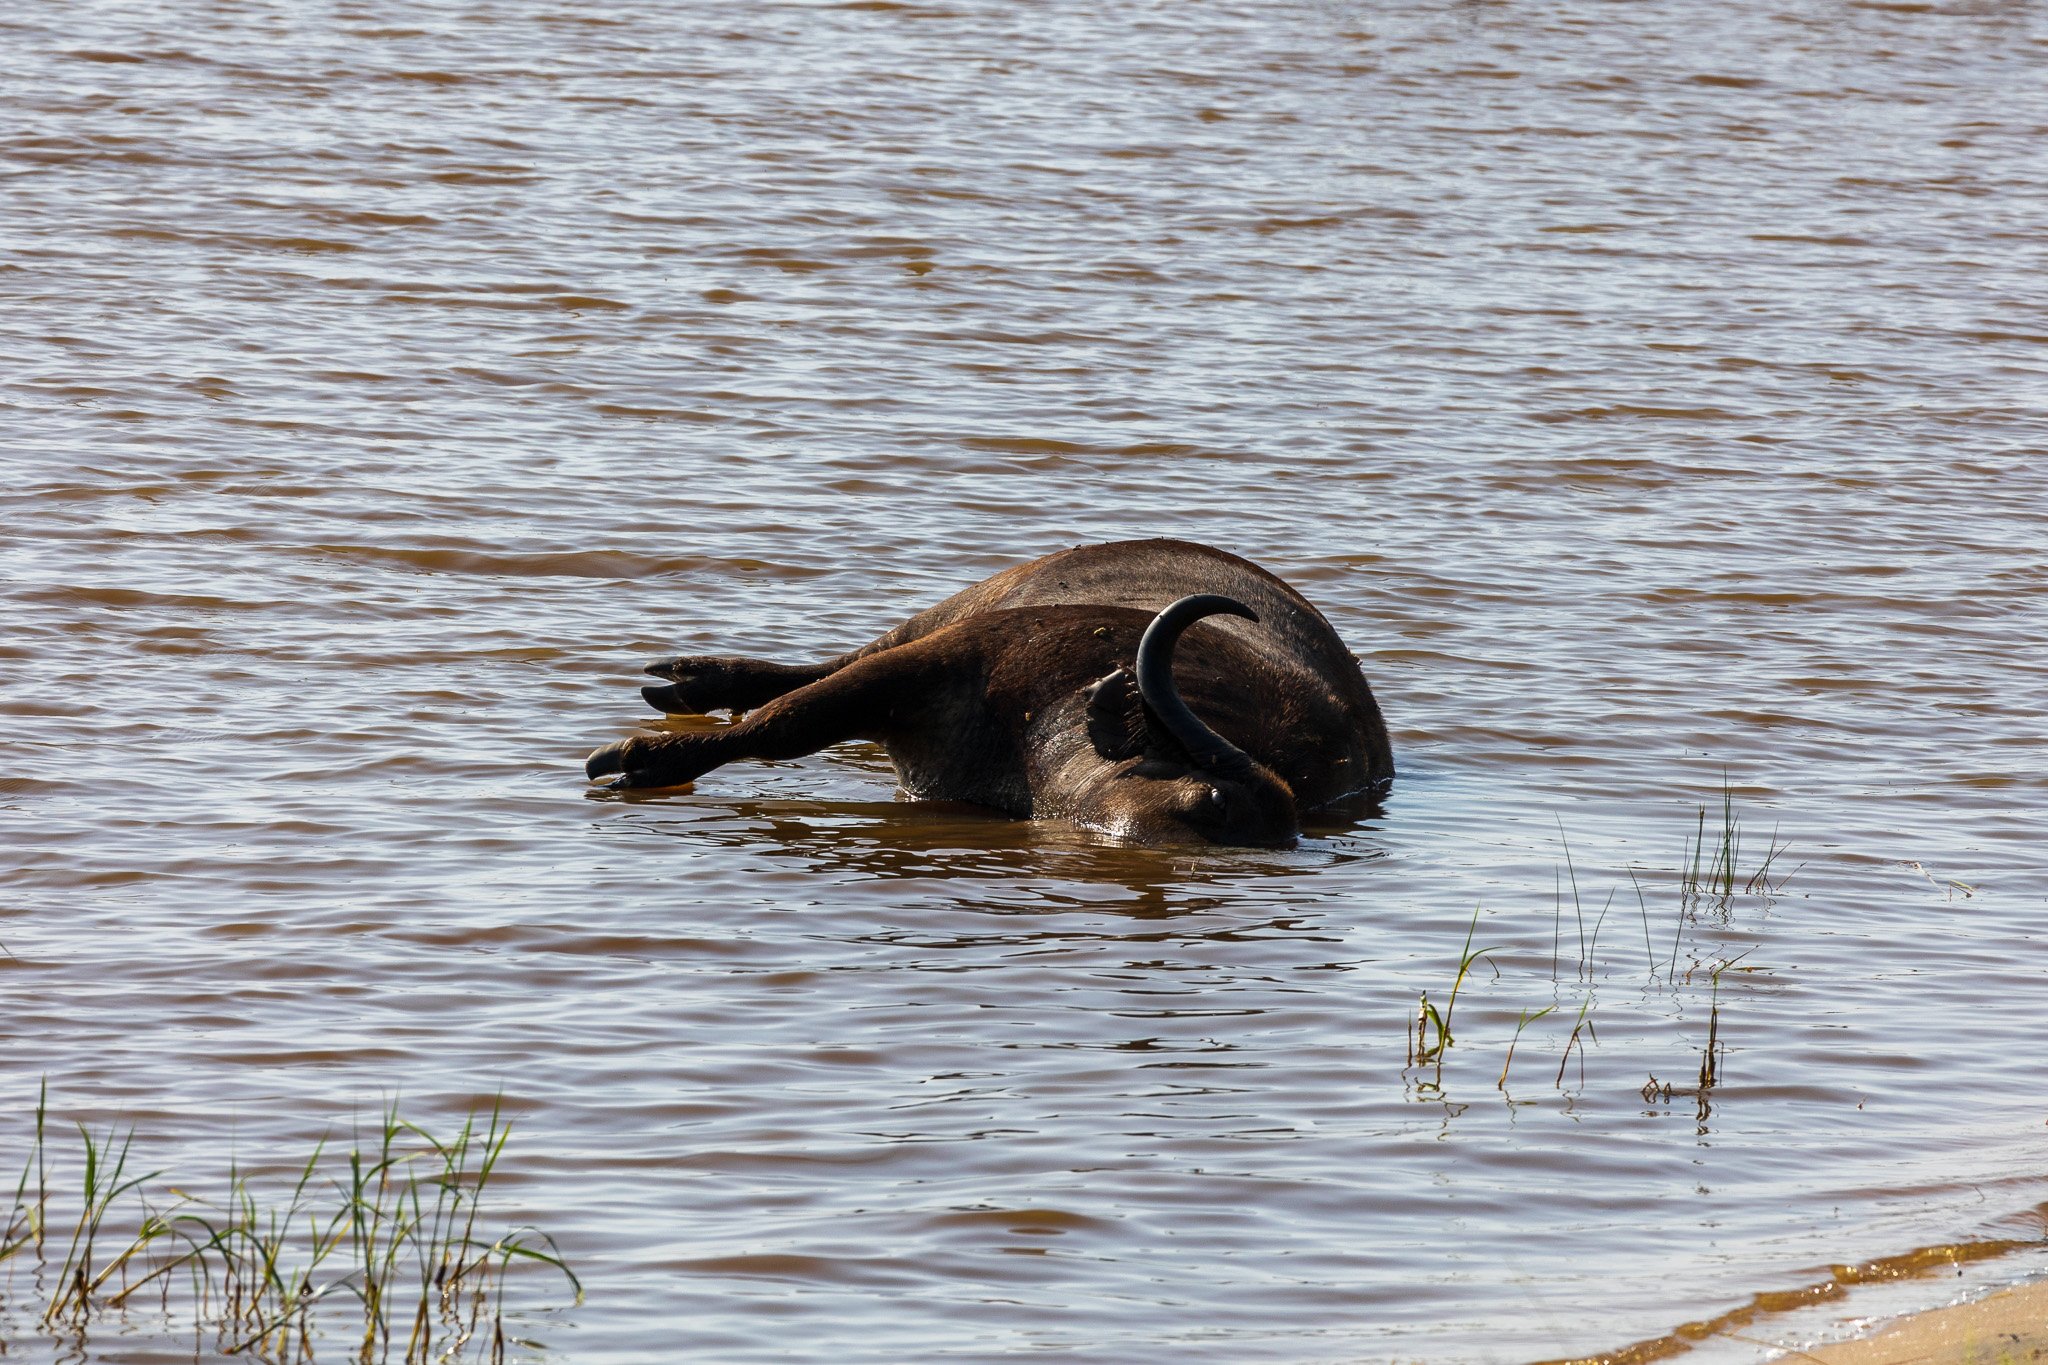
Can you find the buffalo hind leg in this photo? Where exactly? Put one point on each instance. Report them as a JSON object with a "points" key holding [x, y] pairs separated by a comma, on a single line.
{"points": [[698, 683], [850, 702]]}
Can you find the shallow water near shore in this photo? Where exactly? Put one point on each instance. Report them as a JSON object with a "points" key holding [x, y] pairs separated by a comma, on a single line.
{"points": [[1652, 396]]}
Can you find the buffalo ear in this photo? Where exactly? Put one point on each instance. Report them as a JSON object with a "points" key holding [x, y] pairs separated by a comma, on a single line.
{"points": [[1121, 726], [1116, 717]]}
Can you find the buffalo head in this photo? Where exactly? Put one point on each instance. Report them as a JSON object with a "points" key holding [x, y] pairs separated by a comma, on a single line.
{"points": [[1169, 778]]}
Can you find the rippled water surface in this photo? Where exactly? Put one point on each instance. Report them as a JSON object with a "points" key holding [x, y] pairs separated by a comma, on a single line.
{"points": [[1651, 394]]}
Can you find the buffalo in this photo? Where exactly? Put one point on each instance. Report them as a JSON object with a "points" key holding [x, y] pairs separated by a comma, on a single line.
{"points": [[1158, 691]]}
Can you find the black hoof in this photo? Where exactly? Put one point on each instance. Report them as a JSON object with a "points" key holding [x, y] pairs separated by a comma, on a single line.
{"points": [[668, 700], [610, 759], [647, 761]]}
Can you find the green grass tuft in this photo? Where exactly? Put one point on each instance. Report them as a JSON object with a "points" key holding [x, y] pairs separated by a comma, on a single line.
{"points": [[391, 1224]]}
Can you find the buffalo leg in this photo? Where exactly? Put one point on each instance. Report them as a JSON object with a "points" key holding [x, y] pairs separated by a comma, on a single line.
{"points": [[698, 683], [710, 682], [853, 702]]}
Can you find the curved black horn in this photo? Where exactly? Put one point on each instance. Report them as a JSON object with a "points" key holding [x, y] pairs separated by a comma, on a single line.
{"points": [[1155, 678]]}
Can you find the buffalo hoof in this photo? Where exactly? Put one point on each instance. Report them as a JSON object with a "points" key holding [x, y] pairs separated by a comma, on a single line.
{"points": [[670, 700], [623, 763], [607, 761], [675, 669], [697, 685], [646, 761]]}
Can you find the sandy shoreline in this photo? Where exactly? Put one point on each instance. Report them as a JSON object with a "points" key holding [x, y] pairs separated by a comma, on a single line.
{"points": [[2007, 1325], [2011, 1325]]}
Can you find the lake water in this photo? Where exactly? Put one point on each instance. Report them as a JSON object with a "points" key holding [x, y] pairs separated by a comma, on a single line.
{"points": [[1655, 396]]}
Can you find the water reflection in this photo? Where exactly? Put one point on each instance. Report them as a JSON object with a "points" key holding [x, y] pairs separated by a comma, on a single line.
{"points": [[928, 839]]}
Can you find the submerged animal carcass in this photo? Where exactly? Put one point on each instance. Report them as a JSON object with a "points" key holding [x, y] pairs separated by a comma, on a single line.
{"points": [[1158, 691]]}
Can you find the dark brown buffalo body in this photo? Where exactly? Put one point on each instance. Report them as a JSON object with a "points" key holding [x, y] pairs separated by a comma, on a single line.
{"points": [[1024, 693]]}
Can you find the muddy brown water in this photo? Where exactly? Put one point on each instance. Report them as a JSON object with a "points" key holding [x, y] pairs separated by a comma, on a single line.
{"points": [[1650, 394]]}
